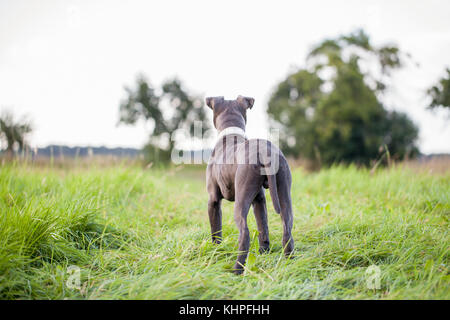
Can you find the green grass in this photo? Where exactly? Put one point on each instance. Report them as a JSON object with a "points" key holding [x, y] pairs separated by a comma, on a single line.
{"points": [[144, 234]]}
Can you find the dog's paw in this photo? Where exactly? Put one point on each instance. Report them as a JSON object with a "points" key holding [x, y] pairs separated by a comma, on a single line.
{"points": [[289, 249], [289, 254], [216, 239], [238, 272], [263, 250], [238, 269]]}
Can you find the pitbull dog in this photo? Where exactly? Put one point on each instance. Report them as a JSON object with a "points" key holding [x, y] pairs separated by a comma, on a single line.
{"points": [[238, 170]]}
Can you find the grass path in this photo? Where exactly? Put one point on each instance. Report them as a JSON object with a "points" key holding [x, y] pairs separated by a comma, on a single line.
{"points": [[144, 234]]}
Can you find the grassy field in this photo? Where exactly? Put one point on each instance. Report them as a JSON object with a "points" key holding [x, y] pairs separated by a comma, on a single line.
{"points": [[144, 234]]}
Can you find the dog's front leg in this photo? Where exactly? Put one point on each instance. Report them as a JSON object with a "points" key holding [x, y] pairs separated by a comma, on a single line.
{"points": [[215, 218]]}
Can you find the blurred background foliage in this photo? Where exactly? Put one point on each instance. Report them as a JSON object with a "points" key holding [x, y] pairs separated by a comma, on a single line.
{"points": [[440, 93], [167, 110], [331, 111], [13, 132]]}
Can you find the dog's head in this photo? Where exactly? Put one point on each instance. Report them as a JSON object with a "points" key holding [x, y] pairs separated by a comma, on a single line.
{"points": [[230, 113]]}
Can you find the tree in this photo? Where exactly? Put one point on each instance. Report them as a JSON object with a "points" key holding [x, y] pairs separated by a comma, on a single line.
{"points": [[440, 93], [331, 110], [13, 132], [171, 110]]}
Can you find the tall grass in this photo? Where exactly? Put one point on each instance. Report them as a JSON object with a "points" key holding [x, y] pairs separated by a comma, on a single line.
{"points": [[144, 234]]}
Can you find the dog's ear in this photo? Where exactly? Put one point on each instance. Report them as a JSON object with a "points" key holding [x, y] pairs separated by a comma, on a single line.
{"points": [[210, 101], [246, 101]]}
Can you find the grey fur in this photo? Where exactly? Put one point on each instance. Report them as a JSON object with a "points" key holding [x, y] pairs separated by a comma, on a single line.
{"points": [[244, 178]]}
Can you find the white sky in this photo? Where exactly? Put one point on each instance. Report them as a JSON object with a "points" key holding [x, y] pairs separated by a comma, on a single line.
{"points": [[64, 63]]}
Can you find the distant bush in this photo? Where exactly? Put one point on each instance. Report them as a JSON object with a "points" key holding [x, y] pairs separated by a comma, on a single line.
{"points": [[331, 111]]}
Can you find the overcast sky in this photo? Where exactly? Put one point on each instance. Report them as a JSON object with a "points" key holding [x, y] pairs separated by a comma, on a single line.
{"points": [[64, 63]]}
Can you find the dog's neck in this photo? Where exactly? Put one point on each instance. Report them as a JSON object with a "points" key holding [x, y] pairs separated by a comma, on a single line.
{"points": [[232, 130]]}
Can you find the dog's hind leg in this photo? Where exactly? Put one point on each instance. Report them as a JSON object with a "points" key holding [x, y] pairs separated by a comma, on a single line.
{"points": [[284, 182], [260, 211], [241, 208], [247, 185]]}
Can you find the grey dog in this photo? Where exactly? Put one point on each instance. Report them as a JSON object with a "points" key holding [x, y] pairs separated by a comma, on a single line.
{"points": [[238, 170]]}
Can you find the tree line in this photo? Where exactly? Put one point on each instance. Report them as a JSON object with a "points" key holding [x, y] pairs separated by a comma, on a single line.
{"points": [[329, 111]]}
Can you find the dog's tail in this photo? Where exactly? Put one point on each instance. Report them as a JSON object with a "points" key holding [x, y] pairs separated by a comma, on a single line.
{"points": [[272, 180]]}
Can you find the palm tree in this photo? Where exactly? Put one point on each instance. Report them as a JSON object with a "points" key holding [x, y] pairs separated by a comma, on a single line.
{"points": [[13, 132]]}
